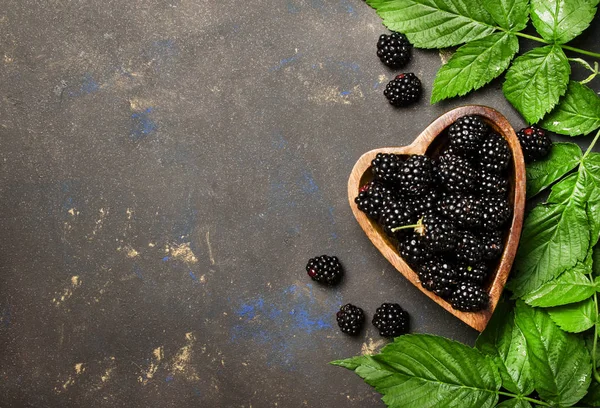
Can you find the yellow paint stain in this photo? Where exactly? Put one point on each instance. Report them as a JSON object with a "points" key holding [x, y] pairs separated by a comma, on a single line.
{"points": [[181, 363], [67, 292], [333, 95], [73, 212], [79, 368], [371, 346], [183, 253], [148, 374]]}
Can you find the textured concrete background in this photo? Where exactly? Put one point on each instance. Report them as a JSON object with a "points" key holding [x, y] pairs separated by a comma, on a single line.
{"points": [[167, 169]]}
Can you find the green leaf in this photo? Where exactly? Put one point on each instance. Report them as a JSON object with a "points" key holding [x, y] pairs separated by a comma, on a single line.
{"points": [[590, 166], [536, 81], [504, 342], [559, 21], [575, 317], [514, 403], [563, 158], [577, 113], [560, 361], [596, 261], [473, 65], [427, 371], [508, 14], [435, 23], [592, 398], [570, 287]]}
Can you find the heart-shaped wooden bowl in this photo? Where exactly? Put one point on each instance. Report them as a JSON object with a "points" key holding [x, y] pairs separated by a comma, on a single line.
{"points": [[430, 142]]}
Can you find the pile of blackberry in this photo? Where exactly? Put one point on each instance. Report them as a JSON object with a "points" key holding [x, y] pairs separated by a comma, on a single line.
{"points": [[447, 214]]}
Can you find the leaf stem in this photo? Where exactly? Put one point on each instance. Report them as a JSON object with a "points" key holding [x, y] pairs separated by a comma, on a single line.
{"points": [[537, 402], [580, 51], [595, 344], [589, 149], [532, 37], [563, 46]]}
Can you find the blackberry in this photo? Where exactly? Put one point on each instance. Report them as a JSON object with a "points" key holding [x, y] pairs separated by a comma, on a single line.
{"points": [[425, 204], [495, 212], [491, 184], [403, 90], [535, 143], [395, 214], [416, 175], [456, 174], [413, 251], [494, 153], [325, 269], [394, 50], [467, 133], [437, 233], [438, 276], [474, 273], [468, 247], [371, 198], [453, 151], [386, 167], [469, 297], [463, 209], [391, 320], [350, 318], [493, 244]]}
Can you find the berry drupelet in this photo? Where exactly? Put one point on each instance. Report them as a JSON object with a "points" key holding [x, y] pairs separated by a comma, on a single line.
{"points": [[456, 173], [494, 154], [350, 318], [394, 50], [325, 269], [469, 297], [467, 133], [403, 90], [535, 143], [439, 276], [386, 167], [372, 197], [391, 320], [416, 175]]}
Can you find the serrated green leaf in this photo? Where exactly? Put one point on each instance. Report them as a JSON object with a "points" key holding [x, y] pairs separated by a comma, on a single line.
{"points": [[427, 371], [473, 65], [536, 81], [592, 398], [559, 21], [577, 113], [572, 286], [596, 263], [563, 158], [509, 14], [591, 167], [351, 363], [503, 341], [560, 361], [514, 403], [574, 317], [435, 23]]}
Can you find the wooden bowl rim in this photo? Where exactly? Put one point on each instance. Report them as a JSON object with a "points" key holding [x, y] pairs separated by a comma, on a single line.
{"points": [[501, 125]]}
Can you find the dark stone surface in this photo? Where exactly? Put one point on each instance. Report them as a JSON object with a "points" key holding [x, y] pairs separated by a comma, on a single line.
{"points": [[167, 169]]}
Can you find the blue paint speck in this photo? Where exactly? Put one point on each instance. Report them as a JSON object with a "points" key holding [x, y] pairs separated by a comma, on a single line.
{"points": [[169, 378], [310, 186], [193, 276], [166, 258], [285, 61], [138, 272], [88, 86], [345, 93], [142, 125]]}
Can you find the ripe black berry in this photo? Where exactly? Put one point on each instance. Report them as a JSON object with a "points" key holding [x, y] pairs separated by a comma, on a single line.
{"points": [[413, 251], [386, 167], [372, 197], [467, 133], [469, 297], [474, 273], [325, 269], [456, 174], [439, 276], [493, 244], [491, 184], [395, 214], [350, 318], [494, 153], [463, 209], [391, 320], [403, 90], [416, 175], [438, 234], [495, 212], [425, 204], [468, 248], [535, 143], [393, 50]]}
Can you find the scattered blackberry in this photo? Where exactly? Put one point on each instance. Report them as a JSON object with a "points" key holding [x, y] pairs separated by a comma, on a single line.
{"points": [[468, 248], [350, 318], [437, 233], [467, 133], [395, 214], [403, 90], [463, 209], [386, 167], [325, 269], [416, 175], [438, 276], [495, 212], [494, 153], [413, 251], [535, 143], [393, 50], [456, 174], [372, 197], [475, 273], [491, 184], [493, 244], [391, 320], [425, 204], [469, 297]]}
